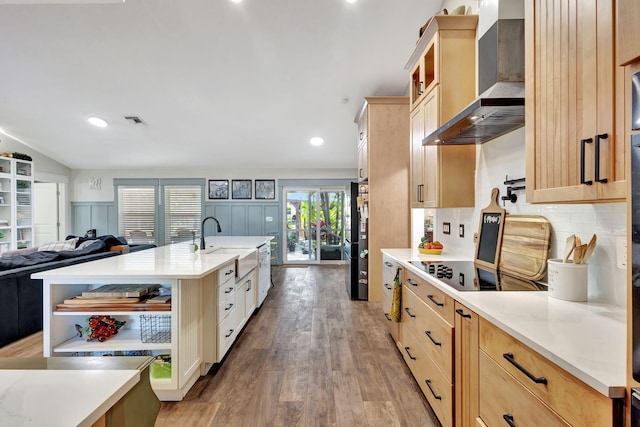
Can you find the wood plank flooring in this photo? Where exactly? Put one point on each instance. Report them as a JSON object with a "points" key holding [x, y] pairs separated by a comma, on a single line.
{"points": [[309, 357]]}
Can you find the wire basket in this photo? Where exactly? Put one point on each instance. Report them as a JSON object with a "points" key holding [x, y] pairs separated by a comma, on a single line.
{"points": [[155, 328]]}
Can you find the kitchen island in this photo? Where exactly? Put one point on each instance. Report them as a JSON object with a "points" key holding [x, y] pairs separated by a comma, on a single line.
{"points": [[191, 330], [76, 392], [576, 347]]}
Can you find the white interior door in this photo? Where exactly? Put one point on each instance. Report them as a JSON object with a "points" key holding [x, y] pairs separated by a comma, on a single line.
{"points": [[46, 217]]}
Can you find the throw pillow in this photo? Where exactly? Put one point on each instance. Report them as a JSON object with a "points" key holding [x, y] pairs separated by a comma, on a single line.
{"points": [[85, 244], [65, 245]]}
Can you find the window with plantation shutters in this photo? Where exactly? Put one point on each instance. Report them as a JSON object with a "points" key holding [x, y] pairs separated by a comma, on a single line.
{"points": [[182, 212], [137, 213], [159, 211]]}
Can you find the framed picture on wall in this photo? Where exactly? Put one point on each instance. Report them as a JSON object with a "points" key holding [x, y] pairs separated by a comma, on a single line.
{"points": [[265, 189], [241, 189], [218, 189]]}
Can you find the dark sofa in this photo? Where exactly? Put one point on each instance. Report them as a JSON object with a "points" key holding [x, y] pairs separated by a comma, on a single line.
{"points": [[21, 296]]}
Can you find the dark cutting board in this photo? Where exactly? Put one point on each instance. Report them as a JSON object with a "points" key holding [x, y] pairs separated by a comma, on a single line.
{"points": [[526, 244]]}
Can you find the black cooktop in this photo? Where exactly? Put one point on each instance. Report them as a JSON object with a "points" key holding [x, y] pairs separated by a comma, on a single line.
{"points": [[467, 276]]}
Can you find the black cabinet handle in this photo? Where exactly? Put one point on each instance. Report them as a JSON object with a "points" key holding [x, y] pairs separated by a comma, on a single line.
{"points": [[228, 291], [228, 308], [411, 282], [462, 313], [387, 316], [408, 312], [361, 135], [431, 389], [410, 356], [360, 173], [420, 195], [388, 286], [509, 419], [537, 380], [597, 171], [229, 334], [388, 264], [420, 91], [583, 142], [248, 285], [439, 304], [428, 333], [228, 272]]}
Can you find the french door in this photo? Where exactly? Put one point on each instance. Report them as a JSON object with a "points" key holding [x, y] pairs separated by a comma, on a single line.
{"points": [[314, 228]]}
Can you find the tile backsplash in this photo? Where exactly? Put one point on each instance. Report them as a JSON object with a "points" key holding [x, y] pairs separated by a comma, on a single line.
{"points": [[505, 156]]}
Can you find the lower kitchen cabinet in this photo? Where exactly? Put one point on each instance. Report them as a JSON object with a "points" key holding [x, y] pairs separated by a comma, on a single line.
{"points": [[467, 326], [514, 380], [389, 267]]}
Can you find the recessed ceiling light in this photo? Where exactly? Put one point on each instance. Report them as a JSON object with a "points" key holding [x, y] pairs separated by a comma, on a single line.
{"points": [[237, 1], [351, 1], [316, 140], [96, 121]]}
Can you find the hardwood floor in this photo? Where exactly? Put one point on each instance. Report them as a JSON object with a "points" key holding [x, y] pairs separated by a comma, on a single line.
{"points": [[309, 357]]}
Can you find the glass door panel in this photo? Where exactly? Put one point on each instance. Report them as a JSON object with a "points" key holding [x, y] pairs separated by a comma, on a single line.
{"points": [[300, 206]]}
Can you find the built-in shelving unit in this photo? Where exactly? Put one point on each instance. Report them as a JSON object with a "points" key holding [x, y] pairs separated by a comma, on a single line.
{"points": [[16, 204]]}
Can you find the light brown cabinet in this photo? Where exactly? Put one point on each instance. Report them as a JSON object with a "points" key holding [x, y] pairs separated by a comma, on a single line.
{"points": [[467, 327], [442, 82], [628, 31], [383, 122], [574, 145], [532, 390]]}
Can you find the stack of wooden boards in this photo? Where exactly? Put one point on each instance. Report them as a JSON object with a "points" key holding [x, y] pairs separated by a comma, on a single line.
{"points": [[119, 298]]}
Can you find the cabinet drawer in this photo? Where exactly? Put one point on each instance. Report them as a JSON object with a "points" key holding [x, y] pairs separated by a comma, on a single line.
{"points": [[503, 398], [437, 300], [227, 332], [393, 327], [226, 306], [225, 290], [436, 335], [226, 272], [574, 400], [435, 386]]}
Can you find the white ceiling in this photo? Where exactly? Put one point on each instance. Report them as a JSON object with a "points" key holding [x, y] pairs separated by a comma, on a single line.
{"points": [[219, 84]]}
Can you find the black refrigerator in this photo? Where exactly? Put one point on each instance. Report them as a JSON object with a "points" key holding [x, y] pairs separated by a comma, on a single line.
{"points": [[356, 247]]}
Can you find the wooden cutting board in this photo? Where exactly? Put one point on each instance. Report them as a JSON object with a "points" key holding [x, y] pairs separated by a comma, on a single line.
{"points": [[526, 245]]}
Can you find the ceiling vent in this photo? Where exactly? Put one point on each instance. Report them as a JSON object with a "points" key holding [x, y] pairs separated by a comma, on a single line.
{"points": [[136, 120]]}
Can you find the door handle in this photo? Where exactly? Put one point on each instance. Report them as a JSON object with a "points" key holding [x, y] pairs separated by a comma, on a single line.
{"points": [[597, 156], [583, 142]]}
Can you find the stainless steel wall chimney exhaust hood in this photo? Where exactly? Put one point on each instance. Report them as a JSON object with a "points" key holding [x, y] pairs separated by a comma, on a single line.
{"points": [[500, 107]]}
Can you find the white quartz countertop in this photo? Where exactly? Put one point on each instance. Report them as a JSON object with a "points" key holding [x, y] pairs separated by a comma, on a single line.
{"points": [[60, 398], [586, 339], [165, 262]]}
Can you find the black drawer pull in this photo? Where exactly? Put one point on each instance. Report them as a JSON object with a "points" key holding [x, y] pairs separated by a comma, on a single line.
{"points": [[428, 333], [509, 419], [388, 286], [411, 282], [387, 316], [408, 312], [461, 313], [228, 291], [431, 389], [229, 334], [537, 380], [228, 308], [439, 304], [248, 285], [228, 272], [410, 356], [388, 264]]}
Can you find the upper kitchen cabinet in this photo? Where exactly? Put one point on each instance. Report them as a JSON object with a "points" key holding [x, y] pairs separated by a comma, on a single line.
{"points": [[386, 142], [442, 82], [574, 139], [628, 31]]}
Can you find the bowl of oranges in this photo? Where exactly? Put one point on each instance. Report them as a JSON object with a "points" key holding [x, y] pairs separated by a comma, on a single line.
{"points": [[430, 248]]}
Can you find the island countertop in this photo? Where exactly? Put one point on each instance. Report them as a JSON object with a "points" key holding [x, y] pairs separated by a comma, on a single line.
{"points": [[173, 261], [586, 339], [52, 392]]}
